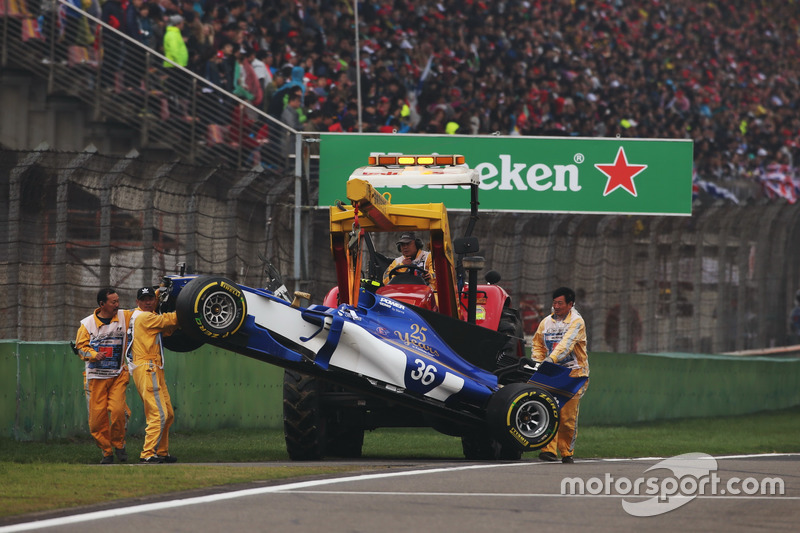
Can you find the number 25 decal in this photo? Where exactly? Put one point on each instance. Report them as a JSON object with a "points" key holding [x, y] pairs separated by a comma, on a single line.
{"points": [[425, 373], [418, 332]]}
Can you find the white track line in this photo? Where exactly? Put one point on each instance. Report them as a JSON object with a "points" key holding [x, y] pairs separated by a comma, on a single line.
{"points": [[298, 486], [518, 495], [169, 504]]}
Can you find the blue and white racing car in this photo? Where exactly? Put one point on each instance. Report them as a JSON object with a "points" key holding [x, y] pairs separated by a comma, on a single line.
{"points": [[437, 369]]}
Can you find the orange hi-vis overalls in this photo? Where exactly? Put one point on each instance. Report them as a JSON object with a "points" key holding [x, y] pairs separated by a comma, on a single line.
{"points": [[105, 381], [563, 342], [145, 356]]}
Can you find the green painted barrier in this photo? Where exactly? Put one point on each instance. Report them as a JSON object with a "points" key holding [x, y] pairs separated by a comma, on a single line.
{"points": [[42, 391], [629, 388]]}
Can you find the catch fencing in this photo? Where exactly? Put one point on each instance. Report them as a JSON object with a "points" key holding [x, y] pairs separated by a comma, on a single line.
{"points": [[721, 280], [75, 222]]}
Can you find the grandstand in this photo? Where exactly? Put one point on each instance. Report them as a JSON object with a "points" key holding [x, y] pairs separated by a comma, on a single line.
{"points": [[169, 108], [723, 74]]}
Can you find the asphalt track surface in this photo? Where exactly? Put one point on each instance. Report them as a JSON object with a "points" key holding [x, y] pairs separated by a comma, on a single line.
{"points": [[473, 497]]}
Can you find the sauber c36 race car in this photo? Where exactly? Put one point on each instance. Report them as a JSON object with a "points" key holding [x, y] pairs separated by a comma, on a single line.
{"points": [[382, 348]]}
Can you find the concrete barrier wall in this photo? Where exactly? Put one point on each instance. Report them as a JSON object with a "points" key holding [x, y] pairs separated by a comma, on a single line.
{"points": [[42, 393]]}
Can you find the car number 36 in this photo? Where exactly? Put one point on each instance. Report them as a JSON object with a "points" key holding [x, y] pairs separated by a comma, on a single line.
{"points": [[424, 373]]}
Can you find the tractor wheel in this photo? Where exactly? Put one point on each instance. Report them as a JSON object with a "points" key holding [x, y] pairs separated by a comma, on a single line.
{"points": [[312, 432], [514, 348], [211, 307], [344, 441], [523, 416], [482, 448], [303, 423]]}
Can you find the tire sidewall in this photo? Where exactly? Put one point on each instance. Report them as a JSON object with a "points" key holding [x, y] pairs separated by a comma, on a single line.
{"points": [[505, 406], [193, 297]]}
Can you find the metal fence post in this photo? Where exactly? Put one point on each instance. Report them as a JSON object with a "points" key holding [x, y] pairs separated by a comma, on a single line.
{"points": [[4, 58], [51, 76], [62, 228], [110, 181], [15, 192], [298, 203], [193, 123], [145, 112]]}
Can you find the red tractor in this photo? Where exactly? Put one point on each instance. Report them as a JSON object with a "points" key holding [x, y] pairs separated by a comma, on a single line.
{"points": [[476, 320]]}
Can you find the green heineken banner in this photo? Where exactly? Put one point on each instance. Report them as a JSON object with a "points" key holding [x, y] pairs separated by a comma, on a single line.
{"points": [[553, 175]]}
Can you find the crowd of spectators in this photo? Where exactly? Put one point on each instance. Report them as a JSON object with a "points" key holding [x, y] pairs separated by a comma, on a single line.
{"points": [[723, 73]]}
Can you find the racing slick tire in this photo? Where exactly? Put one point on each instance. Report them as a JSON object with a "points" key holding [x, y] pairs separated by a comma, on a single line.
{"points": [[179, 341], [524, 416], [211, 307]]}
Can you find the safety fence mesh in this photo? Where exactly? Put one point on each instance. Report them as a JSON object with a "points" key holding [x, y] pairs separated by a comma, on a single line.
{"points": [[721, 280], [73, 223]]}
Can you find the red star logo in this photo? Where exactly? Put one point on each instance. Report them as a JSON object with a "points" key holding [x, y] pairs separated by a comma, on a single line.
{"points": [[620, 174]]}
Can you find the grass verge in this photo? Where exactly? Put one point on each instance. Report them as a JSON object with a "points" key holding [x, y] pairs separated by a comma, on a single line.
{"points": [[66, 473]]}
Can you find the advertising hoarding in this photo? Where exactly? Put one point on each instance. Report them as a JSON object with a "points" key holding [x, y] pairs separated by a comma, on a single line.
{"points": [[531, 174]]}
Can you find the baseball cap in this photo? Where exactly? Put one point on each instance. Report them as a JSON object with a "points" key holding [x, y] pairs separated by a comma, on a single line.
{"points": [[406, 237], [146, 292]]}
